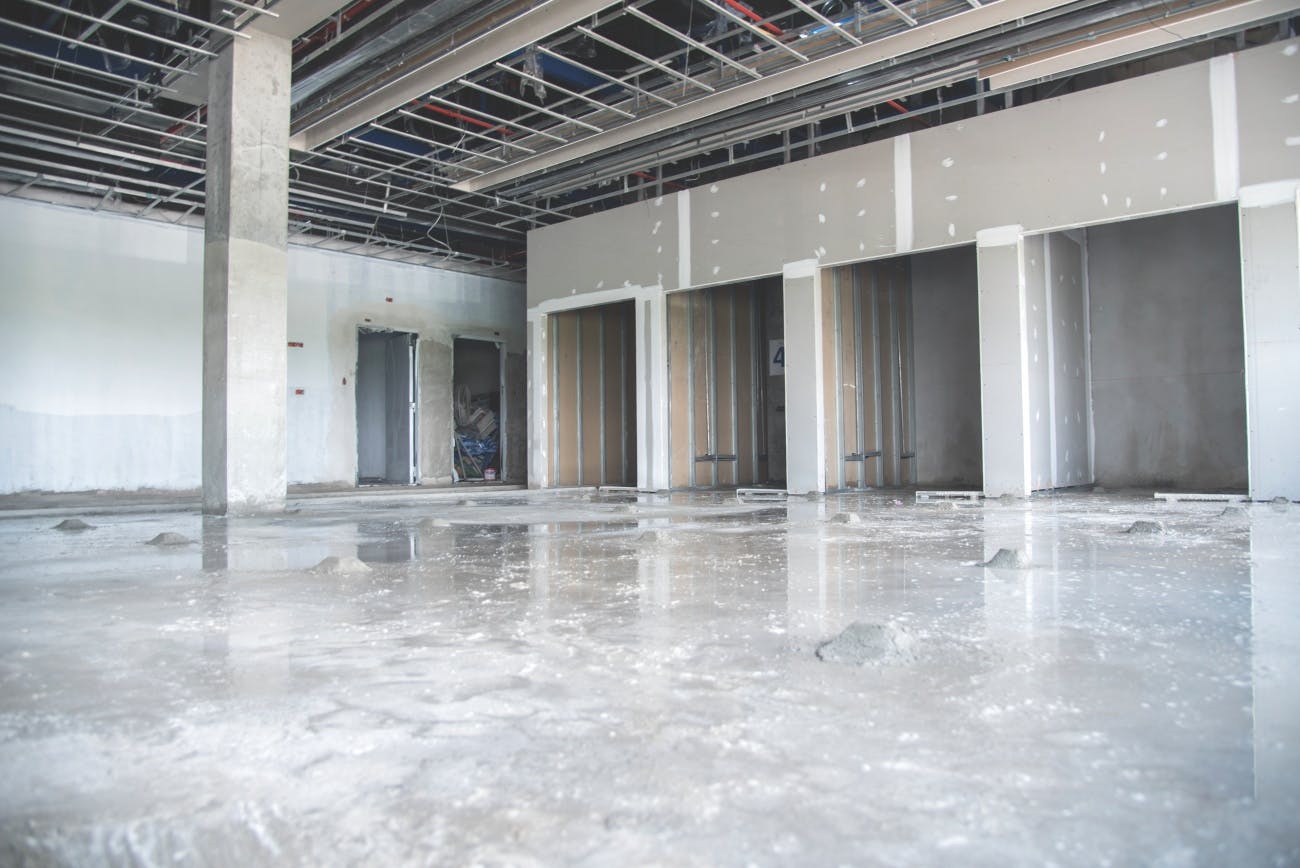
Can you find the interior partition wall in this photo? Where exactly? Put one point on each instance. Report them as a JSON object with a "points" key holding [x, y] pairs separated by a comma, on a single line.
{"points": [[868, 364], [722, 394], [593, 395]]}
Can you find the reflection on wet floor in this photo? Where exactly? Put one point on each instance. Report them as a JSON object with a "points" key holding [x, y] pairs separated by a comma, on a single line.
{"points": [[630, 678]]}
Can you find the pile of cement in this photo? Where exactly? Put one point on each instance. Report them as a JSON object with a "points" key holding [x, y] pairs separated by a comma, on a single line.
{"points": [[862, 643], [73, 524], [341, 566], [1233, 512], [1008, 559], [1281, 503], [845, 518], [168, 538], [1148, 527]]}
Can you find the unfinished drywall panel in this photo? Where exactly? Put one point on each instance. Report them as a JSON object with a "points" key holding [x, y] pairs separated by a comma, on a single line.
{"points": [[869, 383], [1270, 265], [1168, 392], [102, 315], [1038, 369], [718, 387], [1004, 386], [826, 208], [945, 304], [1101, 154], [1071, 368], [1267, 111], [1151, 144], [637, 248], [593, 388]]}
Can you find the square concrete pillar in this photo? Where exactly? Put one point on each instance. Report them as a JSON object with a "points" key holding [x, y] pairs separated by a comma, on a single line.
{"points": [[1004, 361], [245, 277], [1270, 289], [805, 403]]}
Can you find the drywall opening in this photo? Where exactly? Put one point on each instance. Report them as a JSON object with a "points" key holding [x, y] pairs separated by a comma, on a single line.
{"points": [[726, 386], [901, 363], [387, 402], [1168, 358], [593, 395], [477, 383], [946, 369]]}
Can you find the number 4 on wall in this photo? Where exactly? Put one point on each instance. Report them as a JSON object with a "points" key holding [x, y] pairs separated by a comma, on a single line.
{"points": [[776, 358]]}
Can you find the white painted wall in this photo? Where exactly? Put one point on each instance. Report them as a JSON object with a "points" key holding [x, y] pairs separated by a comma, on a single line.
{"points": [[100, 347]]}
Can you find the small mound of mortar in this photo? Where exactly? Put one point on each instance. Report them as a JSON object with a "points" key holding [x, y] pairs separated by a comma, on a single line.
{"points": [[167, 538], [861, 643], [1007, 559]]}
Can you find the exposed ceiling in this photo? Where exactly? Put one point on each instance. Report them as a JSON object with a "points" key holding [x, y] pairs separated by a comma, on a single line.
{"points": [[441, 132]]}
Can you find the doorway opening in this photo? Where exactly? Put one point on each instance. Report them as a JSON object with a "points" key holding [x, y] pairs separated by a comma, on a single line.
{"points": [[386, 408], [726, 367], [478, 377], [593, 388]]}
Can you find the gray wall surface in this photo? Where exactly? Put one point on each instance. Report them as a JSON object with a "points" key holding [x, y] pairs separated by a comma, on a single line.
{"points": [[945, 308], [1169, 398]]}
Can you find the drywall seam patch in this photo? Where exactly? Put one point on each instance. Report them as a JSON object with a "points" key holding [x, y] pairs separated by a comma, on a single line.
{"points": [[1270, 194], [903, 193], [683, 239], [999, 236], [1223, 116]]}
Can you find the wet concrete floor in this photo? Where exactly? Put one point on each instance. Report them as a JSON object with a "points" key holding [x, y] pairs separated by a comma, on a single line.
{"points": [[574, 679]]}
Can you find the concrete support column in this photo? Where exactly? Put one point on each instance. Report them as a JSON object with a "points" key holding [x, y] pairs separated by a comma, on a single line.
{"points": [[1004, 361], [539, 404], [805, 403], [245, 277], [1270, 288]]}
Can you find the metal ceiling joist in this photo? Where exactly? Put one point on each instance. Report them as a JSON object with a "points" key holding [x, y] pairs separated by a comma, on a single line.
{"points": [[542, 20], [914, 39]]}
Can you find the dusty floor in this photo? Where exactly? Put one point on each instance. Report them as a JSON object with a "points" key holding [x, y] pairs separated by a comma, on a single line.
{"points": [[533, 679]]}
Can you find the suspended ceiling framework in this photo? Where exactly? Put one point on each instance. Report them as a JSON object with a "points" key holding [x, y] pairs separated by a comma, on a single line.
{"points": [[441, 132]]}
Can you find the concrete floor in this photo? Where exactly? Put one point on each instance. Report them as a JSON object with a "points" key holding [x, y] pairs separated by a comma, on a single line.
{"points": [[533, 679]]}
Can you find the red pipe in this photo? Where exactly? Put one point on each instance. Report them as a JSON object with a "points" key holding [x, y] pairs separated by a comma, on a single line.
{"points": [[467, 119], [754, 16]]}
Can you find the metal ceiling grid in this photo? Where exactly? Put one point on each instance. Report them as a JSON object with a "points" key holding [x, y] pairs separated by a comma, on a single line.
{"points": [[532, 111]]}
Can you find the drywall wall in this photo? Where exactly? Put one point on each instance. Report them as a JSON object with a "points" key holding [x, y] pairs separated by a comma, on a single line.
{"points": [[1168, 390], [1065, 264], [945, 304], [1157, 143], [100, 341], [1038, 369]]}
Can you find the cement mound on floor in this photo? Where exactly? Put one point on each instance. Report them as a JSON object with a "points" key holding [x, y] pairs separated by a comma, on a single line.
{"points": [[862, 643], [167, 538], [73, 524], [1007, 559], [341, 566], [845, 518], [1145, 527]]}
